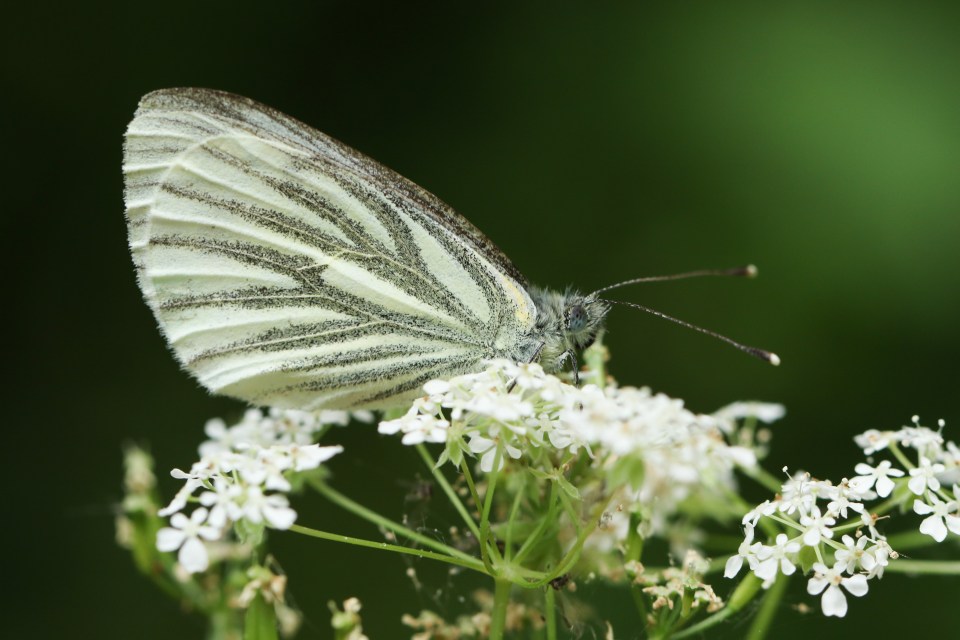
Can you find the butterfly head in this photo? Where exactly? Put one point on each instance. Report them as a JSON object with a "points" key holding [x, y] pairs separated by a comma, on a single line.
{"points": [[567, 322]]}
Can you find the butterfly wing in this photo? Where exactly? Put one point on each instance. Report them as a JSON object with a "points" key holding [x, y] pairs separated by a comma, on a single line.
{"points": [[287, 269]]}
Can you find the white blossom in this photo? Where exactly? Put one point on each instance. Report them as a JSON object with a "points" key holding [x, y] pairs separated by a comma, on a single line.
{"points": [[872, 440], [924, 476], [185, 534], [829, 581], [942, 516], [816, 527], [778, 557], [879, 477], [752, 552], [767, 412], [854, 555], [242, 474]]}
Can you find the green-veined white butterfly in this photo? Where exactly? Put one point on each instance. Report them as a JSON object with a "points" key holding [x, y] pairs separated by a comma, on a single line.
{"points": [[286, 269]]}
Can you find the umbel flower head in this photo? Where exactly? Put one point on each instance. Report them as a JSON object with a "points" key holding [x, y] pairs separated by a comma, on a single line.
{"points": [[242, 476], [666, 453]]}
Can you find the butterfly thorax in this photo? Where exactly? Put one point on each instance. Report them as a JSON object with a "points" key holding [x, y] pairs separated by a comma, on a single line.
{"points": [[566, 323]]}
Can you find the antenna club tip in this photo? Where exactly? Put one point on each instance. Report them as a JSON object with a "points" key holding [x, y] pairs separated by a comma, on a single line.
{"points": [[773, 359], [751, 271]]}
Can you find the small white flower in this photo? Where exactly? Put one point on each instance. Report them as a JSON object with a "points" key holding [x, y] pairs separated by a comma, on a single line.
{"points": [[487, 449], [267, 468], [872, 441], [763, 411], [221, 502], [752, 552], [779, 556], [834, 602], [854, 555], [943, 516], [529, 376], [274, 509], [185, 534], [879, 475], [796, 494], [765, 508], [924, 476], [816, 527], [843, 498], [927, 441], [881, 554], [201, 473], [437, 387], [417, 427], [306, 457]]}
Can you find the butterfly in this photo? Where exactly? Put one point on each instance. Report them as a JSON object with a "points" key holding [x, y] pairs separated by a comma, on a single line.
{"points": [[287, 269]]}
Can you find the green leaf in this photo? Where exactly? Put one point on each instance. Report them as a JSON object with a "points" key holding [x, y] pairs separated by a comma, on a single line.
{"points": [[260, 622], [808, 555], [627, 471], [250, 533], [568, 488]]}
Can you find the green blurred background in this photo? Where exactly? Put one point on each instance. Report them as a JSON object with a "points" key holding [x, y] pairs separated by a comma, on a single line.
{"points": [[593, 143]]}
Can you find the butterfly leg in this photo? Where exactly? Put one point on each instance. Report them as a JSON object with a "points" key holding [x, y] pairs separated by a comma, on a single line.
{"points": [[533, 358], [572, 356]]}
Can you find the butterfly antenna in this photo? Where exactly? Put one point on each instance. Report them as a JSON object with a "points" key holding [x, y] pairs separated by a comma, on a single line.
{"points": [[748, 271], [762, 354]]}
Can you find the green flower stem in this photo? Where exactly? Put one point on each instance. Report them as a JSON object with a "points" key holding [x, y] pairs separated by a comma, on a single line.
{"points": [[567, 562], [508, 542], [595, 357], [498, 617], [742, 595], [765, 524], [545, 521], [768, 609], [447, 489], [910, 540], [763, 478], [465, 470], [485, 547], [359, 510], [472, 563], [550, 613], [925, 567], [893, 501], [899, 455]]}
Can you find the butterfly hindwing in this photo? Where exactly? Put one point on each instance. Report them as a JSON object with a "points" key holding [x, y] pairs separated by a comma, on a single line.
{"points": [[287, 269]]}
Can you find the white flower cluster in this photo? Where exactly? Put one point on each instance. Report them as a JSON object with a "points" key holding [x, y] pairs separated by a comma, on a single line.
{"points": [[242, 475], [511, 410], [855, 559]]}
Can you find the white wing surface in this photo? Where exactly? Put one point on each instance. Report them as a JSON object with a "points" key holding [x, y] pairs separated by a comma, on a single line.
{"points": [[287, 269]]}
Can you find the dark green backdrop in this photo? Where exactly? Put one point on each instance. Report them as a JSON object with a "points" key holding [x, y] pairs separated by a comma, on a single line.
{"points": [[821, 142]]}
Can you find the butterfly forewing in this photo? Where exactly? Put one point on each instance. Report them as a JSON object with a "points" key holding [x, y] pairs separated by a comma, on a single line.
{"points": [[287, 269]]}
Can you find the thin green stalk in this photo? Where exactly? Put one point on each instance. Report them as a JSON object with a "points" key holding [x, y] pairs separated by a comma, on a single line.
{"points": [[465, 470], [508, 543], [473, 564], [926, 567], [764, 478], [571, 557], [890, 503], [485, 547], [742, 595], [899, 455], [550, 613], [357, 509], [448, 490], [907, 540], [498, 617], [768, 609], [545, 521]]}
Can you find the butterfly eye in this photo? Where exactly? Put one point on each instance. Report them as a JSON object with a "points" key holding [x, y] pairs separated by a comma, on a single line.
{"points": [[576, 318]]}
